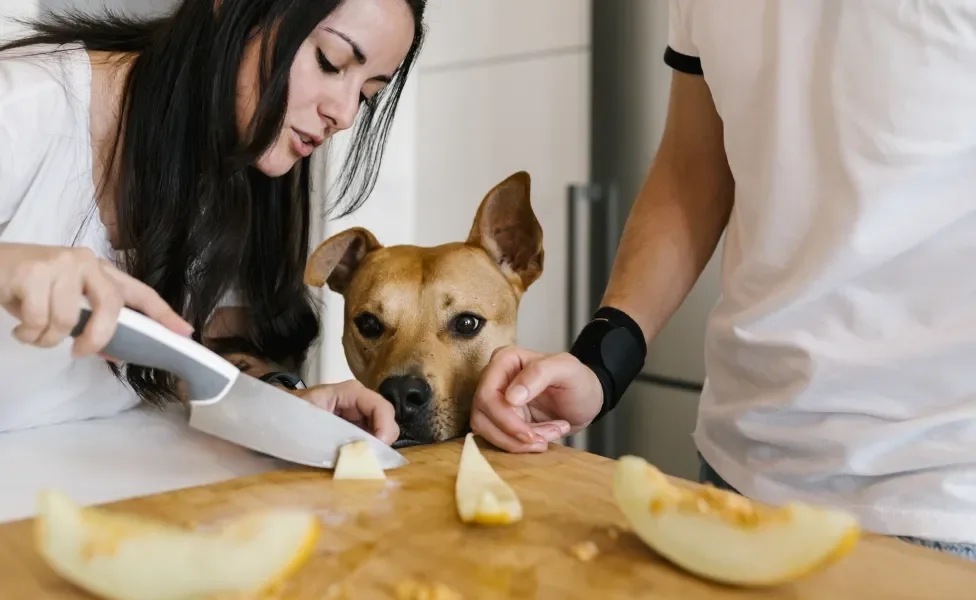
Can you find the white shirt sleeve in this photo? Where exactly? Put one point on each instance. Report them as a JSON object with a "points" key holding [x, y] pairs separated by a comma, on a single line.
{"points": [[42, 123], [15, 158], [682, 53], [679, 27]]}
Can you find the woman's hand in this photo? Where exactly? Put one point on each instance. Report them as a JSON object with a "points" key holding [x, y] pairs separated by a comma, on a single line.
{"points": [[43, 288], [355, 403], [526, 399]]}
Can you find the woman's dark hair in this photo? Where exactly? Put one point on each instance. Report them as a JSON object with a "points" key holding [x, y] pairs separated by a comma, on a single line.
{"points": [[194, 216]]}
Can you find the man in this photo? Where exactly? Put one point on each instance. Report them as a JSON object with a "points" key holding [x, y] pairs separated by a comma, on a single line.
{"points": [[835, 144]]}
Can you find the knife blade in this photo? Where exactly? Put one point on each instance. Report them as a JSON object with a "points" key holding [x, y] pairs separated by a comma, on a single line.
{"points": [[234, 406]]}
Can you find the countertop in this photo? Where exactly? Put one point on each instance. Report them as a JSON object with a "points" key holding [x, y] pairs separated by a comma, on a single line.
{"points": [[380, 535]]}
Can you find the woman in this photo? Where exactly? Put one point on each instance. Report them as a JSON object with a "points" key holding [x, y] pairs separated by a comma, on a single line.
{"points": [[164, 165]]}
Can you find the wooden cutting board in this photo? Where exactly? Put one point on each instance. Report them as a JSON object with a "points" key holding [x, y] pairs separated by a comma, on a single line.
{"points": [[380, 534]]}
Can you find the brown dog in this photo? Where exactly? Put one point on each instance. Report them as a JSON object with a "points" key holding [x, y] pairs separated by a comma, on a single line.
{"points": [[422, 322]]}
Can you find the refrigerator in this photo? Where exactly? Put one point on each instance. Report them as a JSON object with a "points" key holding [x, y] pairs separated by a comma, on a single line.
{"points": [[629, 95]]}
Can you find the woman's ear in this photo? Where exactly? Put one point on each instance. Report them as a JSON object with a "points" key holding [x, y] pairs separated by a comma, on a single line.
{"points": [[336, 259]]}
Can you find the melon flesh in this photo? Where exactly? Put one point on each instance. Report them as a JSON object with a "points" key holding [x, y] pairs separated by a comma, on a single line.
{"points": [[126, 557], [727, 538], [357, 461], [482, 496]]}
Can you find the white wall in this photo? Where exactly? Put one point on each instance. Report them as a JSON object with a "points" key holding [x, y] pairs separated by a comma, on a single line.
{"points": [[135, 7], [14, 9], [21, 9], [389, 213]]}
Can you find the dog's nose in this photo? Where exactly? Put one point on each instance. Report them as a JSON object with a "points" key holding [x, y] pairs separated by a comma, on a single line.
{"points": [[409, 395]]}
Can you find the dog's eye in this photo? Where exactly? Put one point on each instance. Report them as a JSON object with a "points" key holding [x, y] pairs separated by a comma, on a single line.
{"points": [[369, 325], [467, 324]]}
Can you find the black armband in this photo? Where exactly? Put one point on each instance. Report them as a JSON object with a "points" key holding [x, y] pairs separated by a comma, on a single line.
{"points": [[612, 345]]}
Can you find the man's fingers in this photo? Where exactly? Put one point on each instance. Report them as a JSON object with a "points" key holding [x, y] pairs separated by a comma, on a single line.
{"points": [[483, 426], [551, 431], [504, 365], [552, 371], [505, 417], [489, 397]]}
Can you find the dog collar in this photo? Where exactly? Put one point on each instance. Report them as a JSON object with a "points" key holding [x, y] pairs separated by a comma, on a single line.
{"points": [[289, 380]]}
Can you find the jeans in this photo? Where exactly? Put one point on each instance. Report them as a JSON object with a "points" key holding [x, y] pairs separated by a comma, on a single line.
{"points": [[707, 474]]}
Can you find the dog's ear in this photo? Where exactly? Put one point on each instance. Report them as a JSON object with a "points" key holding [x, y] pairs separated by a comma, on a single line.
{"points": [[505, 226], [336, 259]]}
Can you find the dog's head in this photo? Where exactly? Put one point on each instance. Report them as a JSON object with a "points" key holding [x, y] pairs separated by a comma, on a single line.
{"points": [[422, 322]]}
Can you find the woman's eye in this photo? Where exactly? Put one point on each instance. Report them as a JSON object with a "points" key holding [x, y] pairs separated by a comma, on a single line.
{"points": [[467, 324], [324, 63], [369, 326]]}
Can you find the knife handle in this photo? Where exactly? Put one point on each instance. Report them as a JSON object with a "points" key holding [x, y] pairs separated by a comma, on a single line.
{"points": [[141, 341]]}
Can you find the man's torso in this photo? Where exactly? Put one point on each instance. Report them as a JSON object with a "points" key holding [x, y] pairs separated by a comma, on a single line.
{"points": [[841, 358]]}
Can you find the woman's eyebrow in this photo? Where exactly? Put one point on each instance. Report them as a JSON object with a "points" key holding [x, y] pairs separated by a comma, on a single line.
{"points": [[356, 50]]}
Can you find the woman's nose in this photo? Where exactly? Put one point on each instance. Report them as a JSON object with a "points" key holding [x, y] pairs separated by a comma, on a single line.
{"points": [[341, 109]]}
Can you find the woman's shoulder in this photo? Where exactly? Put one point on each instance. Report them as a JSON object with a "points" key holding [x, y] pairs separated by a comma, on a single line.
{"points": [[44, 81], [44, 111]]}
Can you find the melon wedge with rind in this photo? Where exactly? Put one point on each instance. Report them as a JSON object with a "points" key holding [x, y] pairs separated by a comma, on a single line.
{"points": [[118, 556], [482, 496], [726, 538]]}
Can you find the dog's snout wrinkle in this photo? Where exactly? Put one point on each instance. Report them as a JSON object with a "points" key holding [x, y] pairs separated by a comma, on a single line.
{"points": [[409, 395]]}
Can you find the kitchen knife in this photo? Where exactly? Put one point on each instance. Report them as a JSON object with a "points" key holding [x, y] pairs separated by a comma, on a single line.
{"points": [[229, 404]]}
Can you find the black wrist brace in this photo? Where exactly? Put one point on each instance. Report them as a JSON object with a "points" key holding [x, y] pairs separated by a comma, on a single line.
{"points": [[612, 345]]}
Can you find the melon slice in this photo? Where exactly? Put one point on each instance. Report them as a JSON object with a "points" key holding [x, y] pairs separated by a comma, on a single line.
{"points": [[482, 496], [127, 557], [727, 538], [357, 461], [416, 590]]}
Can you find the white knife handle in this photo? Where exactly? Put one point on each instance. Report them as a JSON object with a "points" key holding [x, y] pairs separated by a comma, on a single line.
{"points": [[141, 341]]}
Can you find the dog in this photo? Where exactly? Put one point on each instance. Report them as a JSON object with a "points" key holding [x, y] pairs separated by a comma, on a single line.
{"points": [[421, 323]]}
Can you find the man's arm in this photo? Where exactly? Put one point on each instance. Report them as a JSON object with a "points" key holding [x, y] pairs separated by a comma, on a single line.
{"points": [[679, 214]]}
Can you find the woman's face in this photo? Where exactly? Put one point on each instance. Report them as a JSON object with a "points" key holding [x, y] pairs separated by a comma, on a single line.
{"points": [[349, 57]]}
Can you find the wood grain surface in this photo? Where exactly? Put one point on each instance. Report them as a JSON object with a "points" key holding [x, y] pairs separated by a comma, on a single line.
{"points": [[378, 535]]}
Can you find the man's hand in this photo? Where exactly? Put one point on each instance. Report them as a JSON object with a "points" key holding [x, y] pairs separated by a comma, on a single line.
{"points": [[355, 403], [526, 400]]}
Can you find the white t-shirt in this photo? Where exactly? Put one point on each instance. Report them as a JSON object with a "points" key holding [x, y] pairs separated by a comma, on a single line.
{"points": [[841, 357], [47, 196]]}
